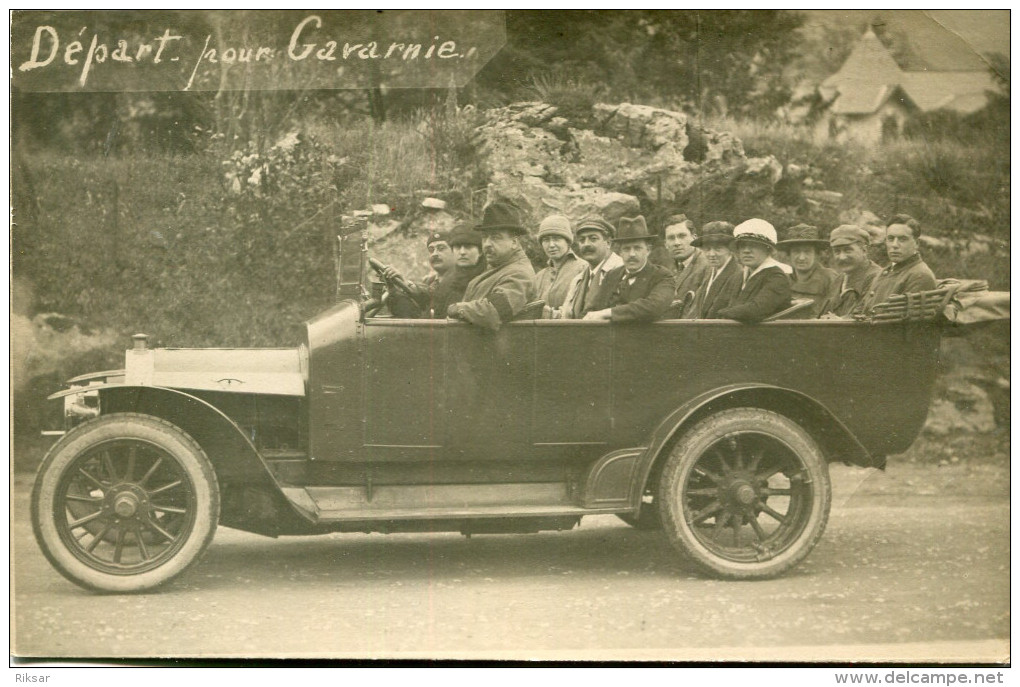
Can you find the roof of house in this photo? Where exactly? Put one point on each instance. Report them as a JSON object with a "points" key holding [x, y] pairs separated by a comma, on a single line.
{"points": [[870, 76]]}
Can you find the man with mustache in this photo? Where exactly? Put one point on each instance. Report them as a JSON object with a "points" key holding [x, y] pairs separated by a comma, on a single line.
{"points": [[638, 291], [766, 286], [442, 261], [858, 272], [500, 292], [594, 243], [907, 272], [810, 278]]}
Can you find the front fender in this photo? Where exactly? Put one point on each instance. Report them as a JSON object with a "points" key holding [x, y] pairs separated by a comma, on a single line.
{"points": [[237, 461]]}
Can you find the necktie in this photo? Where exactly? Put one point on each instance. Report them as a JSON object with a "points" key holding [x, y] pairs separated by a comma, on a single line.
{"points": [[592, 290], [577, 306]]}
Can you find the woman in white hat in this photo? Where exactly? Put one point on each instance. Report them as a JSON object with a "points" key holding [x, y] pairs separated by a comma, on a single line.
{"points": [[766, 286]]}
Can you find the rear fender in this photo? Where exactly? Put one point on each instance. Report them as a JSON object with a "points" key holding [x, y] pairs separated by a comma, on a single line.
{"points": [[838, 443]]}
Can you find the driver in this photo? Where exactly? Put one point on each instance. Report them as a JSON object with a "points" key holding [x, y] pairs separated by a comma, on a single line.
{"points": [[419, 296], [500, 292], [432, 299]]}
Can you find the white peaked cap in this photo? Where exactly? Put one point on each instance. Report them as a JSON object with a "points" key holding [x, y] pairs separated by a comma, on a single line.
{"points": [[756, 230]]}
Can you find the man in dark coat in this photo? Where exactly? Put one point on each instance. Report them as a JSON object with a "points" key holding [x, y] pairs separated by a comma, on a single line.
{"points": [[810, 278], [418, 302], [498, 294], [689, 265], [766, 286], [850, 256], [638, 291], [907, 272], [431, 298], [724, 278]]}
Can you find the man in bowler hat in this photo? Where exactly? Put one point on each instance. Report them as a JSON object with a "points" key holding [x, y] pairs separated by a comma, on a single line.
{"points": [[638, 291], [500, 292]]}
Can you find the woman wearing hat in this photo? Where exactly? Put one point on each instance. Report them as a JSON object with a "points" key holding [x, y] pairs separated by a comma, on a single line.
{"points": [[765, 287], [810, 278], [553, 282]]}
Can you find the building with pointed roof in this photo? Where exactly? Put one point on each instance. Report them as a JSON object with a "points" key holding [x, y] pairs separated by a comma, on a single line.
{"points": [[871, 96]]}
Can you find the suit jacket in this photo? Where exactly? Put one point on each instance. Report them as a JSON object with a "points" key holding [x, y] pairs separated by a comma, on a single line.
{"points": [[645, 300], [765, 293], [499, 293], [691, 278], [708, 302]]}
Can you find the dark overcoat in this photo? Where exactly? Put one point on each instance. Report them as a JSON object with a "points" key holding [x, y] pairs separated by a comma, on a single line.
{"points": [[765, 293]]}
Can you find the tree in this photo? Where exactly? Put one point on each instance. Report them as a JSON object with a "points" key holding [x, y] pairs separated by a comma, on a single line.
{"points": [[701, 60]]}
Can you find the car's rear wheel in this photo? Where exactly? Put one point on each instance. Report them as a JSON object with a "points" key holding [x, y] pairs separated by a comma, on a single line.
{"points": [[745, 494], [124, 503]]}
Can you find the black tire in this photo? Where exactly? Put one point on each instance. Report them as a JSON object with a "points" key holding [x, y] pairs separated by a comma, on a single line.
{"points": [[745, 494], [124, 503]]}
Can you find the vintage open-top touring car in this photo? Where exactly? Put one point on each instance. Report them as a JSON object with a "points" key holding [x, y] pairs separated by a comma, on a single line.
{"points": [[716, 432]]}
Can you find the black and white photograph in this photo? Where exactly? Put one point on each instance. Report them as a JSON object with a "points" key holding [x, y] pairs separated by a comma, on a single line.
{"points": [[496, 337]]}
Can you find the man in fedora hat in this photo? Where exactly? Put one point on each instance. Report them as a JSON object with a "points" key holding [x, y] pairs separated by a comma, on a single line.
{"points": [[907, 272], [850, 245], [765, 288], [553, 282], [638, 291], [594, 243], [689, 266], [724, 277], [810, 278], [500, 292]]}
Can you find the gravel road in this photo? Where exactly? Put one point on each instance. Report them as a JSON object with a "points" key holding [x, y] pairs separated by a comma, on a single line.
{"points": [[914, 565]]}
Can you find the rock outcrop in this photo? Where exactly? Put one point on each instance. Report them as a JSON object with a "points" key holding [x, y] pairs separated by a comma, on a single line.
{"points": [[618, 160]]}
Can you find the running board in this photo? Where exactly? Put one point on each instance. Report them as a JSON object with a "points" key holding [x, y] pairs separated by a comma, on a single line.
{"points": [[426, 502]]}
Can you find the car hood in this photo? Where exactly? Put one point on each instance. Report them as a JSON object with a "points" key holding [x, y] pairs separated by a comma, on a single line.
{"points": [[276, 371]]}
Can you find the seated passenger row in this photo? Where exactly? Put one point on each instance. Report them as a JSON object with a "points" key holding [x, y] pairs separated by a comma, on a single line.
{"points": [[725, 272], [483, 275]]}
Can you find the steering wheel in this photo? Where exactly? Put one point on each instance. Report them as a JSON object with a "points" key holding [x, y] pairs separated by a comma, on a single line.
{"points": [[397, 282]]}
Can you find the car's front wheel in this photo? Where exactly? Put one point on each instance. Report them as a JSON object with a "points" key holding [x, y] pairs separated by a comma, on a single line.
{"points": [[745, 494], [124, 503]]}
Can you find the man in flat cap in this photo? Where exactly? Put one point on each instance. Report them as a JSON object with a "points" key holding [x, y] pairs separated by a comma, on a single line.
{"points": [[689, 266], [724, 278], [765, 288], [553, 282], [810, 278], [508, 284], [907, 272], [857, 271], [638, 291], [594, 243]]}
